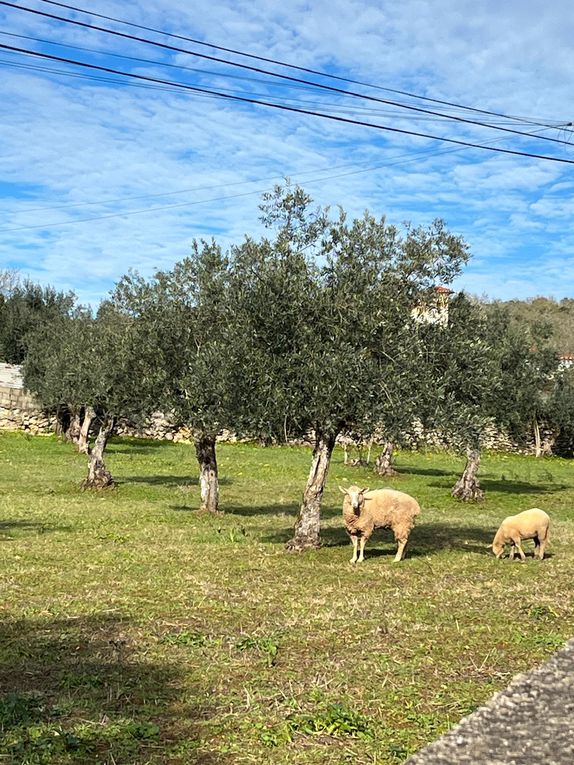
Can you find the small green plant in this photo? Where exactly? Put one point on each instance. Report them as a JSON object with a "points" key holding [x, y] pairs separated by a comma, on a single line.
{"points": [[269, 646], [190, 638], [16, 709], [272, 737], [334, 720], [234, 534], [549, 641], [539, 612]]}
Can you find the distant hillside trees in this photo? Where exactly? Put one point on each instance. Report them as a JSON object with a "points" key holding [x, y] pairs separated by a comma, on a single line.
{"points": [[557, 315], [559, 412], [25, 306]]}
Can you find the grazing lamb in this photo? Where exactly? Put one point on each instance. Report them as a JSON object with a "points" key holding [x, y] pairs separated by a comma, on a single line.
{"points": [[364, 511], [531, 524]]}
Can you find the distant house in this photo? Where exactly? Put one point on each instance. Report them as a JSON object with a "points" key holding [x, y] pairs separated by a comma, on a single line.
{"points": [[437, 311]]}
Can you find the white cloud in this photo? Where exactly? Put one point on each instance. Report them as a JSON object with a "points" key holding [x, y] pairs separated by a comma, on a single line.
{"points": [[77, 142]]}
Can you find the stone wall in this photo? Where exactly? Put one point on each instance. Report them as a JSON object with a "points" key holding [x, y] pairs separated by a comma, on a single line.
{"points": [[19, 410]]}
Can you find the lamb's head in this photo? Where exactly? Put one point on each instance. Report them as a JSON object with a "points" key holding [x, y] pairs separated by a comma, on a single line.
{"points": [[356, 497]]}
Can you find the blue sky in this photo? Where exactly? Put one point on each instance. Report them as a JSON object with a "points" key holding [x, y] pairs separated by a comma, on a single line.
{"points": [[97, 177]]}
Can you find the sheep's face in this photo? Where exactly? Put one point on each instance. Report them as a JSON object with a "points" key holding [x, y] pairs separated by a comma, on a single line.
{"points": [[498, 549], [356, 497]]}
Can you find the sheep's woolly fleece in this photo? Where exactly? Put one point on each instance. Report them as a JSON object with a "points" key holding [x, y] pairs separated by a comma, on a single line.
{"points": [[529, 723]]}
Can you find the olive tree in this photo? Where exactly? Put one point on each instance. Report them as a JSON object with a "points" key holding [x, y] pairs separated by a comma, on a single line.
{"points": [[488, 372], [189, 350], [559, 412], [25, 307], [328, 304], [86, 363]]}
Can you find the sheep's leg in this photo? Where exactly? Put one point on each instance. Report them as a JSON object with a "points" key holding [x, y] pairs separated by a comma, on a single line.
{"points": [[512, 551], [520, 550], [400, 550], [355, 541], [362, 542], [537, 547], [541, 547]]}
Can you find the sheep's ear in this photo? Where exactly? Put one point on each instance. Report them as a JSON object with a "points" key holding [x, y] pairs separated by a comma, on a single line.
{"points": [[344, 491], [364, 491]]}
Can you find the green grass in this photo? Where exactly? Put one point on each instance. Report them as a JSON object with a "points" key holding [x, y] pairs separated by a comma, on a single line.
{"points": [[135, 630]]}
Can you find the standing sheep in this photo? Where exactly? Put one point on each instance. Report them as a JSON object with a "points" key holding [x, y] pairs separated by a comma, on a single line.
{"points": [[364, 511], [530, 524]]}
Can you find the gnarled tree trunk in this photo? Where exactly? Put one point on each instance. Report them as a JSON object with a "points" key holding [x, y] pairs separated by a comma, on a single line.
{"points": [[208, 480], [384, 462], [82, 443], [308, 525], [467, 487], [63, 419], [98, 475], [73, 432]]}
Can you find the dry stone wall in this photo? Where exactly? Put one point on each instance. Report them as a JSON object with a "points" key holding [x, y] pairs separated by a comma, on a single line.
{"points": [[19, 410]]}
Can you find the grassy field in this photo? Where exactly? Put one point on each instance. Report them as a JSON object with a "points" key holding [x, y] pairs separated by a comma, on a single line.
{"points": [[134, 630]]}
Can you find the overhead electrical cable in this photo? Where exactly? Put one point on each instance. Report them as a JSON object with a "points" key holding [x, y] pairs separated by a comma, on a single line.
{"points": [[278, 62], [127, 213], [283, 107], [321, 86], [155, 62], [406, 159], [402, 159], [227, 75], [335, 108]]}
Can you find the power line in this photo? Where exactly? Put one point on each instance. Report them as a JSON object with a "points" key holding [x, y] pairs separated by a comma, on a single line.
{"points": [[154, 62], [336, 108], [227, 75], [271, 74], [286, 64], [405, 159], [283, 107], [131, 212]]}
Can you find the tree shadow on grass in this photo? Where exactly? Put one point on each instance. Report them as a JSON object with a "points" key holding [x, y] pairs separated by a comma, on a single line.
{"points": [[520, 487], [290, 509], [77, 690], [25, 526], [127, 445], [426, 471], [508, 486], [166, 480], [425, 539]]}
